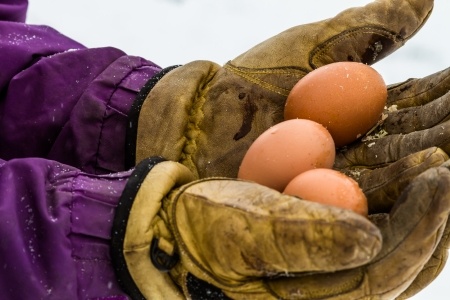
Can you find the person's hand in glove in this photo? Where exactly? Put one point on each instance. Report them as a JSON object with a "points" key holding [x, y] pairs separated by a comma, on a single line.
{"points": [[391, 154], [237, 239]]}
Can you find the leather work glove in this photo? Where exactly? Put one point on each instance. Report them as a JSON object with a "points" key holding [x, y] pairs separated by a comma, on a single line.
{"points": [[206, 116], [209, 234], [175, 237], [389, 156], [224, 237]]}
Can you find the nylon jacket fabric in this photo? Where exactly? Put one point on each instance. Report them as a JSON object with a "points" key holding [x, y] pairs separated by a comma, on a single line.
{"points": [[63, 118], [13, 10], [74, 100], [55, 229]]}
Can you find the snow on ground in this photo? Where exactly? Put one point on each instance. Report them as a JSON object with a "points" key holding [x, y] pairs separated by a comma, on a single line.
{"points": [[171, 32]]}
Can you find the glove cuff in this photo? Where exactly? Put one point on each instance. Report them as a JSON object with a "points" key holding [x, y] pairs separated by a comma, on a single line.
{"points": [[133, 117], [167, 118], [138, 227]]}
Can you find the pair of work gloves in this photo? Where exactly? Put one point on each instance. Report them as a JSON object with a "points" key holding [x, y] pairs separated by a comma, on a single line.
{"points": [[187, 228]]}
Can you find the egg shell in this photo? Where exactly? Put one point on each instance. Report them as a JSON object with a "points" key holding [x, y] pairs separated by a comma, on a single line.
{"points": [[329, 187], [347, 98], [285, 150]]}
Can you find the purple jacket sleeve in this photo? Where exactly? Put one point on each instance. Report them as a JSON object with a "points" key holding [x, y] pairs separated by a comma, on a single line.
{"points": [[67, 106], [13, 10], [55, 230], [62, 101]]}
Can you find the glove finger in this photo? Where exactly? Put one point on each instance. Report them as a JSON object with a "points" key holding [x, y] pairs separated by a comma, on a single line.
{"points": [[234, 231], [383, 151], [420, 117], [432, 268], [435, 264], [411, 232], [383, 186], [416, 92], [364, 34]]}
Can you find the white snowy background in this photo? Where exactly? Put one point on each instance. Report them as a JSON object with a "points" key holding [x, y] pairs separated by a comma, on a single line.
{"points": [[172, 32]]}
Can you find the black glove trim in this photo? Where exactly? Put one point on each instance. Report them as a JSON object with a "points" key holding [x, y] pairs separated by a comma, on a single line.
{"points": [[199, 289], [120, 223], [160, 259], [133, 117]]}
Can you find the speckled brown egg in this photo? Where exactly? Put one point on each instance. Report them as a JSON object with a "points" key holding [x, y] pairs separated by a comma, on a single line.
{"points": [[286, 150], [347, 98], [329, 187]]}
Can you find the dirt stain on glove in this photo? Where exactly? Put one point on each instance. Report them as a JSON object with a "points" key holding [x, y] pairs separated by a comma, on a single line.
{"points": [[250, 109]]}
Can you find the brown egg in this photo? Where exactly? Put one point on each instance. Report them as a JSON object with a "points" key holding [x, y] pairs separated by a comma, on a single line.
{"points": [[329, 187], [285, 150], [345, 97]]}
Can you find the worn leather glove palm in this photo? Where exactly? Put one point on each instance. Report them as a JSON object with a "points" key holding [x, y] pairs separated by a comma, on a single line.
{"points": [[206, 116]]}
